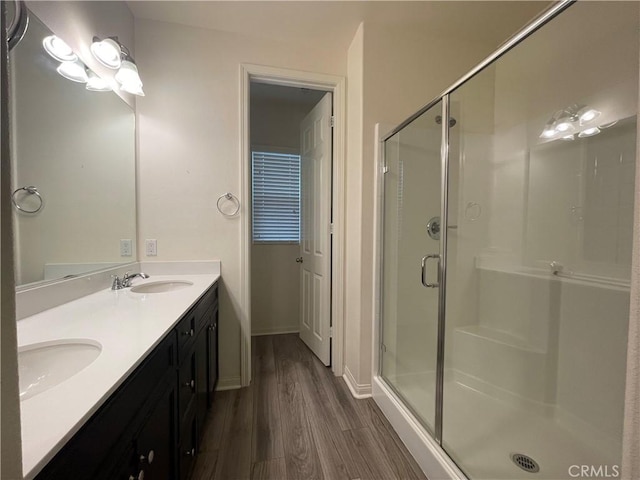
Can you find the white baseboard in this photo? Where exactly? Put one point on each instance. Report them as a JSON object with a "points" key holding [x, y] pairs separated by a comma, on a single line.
{"points": [[275, 331], [229, 383], [357, 390]]}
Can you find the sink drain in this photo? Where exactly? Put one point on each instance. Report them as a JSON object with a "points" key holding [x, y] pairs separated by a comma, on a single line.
{"points": [[525, 462]]}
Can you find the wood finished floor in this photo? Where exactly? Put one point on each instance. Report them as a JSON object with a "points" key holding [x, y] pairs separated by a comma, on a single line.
{"points": [[298, 422]]}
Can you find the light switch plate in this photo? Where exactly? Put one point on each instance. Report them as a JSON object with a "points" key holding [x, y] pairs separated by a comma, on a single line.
{"points": [[151, 247]]}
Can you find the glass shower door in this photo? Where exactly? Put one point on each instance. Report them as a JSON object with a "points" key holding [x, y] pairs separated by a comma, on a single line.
{"points": [[538, 266], [412, 191]]}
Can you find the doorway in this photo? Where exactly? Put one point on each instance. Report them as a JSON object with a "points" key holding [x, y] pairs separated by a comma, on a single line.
{"points": [[275, 262]]}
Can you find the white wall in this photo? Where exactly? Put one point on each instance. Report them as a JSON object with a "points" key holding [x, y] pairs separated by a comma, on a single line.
{"points": [[353, 255], [404, 67], [275, 275], [189, 141]]}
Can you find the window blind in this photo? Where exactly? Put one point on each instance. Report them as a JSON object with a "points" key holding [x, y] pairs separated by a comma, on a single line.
{"points": [[276, 197]]}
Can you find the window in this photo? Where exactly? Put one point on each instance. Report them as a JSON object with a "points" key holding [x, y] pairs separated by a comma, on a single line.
{"points": [[276, 197]]}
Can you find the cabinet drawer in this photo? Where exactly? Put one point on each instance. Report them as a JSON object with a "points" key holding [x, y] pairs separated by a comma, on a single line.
{"points": [[188, 446], [186, 331], [204, 305]]}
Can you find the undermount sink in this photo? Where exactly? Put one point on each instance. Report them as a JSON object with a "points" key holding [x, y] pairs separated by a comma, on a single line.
{"points": [[42, 366], [161, 287]]}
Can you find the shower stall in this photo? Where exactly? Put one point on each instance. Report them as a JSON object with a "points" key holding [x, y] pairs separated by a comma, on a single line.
{"points": [[506, 224]]}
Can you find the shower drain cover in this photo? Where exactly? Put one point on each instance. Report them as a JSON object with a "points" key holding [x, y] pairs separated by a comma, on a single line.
{"points": [[525, 462]]}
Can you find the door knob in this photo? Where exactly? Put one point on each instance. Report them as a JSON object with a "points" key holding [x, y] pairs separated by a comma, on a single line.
{"points": [[299, 260]]}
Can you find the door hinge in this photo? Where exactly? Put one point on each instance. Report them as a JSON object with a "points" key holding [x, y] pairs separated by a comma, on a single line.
{"points": [[331, 228], [332, 121], [385, 169], [330, 332]]}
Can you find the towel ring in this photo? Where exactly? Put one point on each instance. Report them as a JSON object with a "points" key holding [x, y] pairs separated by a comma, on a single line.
{"points": [[233, 198], [31, 190]]}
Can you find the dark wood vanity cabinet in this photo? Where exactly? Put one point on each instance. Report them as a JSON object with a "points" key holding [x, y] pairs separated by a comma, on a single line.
{"points": [[151, 426]]}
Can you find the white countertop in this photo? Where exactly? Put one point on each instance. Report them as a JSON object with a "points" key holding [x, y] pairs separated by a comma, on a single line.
{"points": [[127, 325]]}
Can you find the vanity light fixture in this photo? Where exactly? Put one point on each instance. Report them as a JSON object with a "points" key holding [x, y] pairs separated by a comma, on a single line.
{"points": [[96, 83], [74, 71], [107, 51], [113, 54], [58, 49]]}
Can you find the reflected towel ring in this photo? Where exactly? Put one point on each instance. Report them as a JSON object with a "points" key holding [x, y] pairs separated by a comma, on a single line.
{"points": [[31, 190], [233, 198]]}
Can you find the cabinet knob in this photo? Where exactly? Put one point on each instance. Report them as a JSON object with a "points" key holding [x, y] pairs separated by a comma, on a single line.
{"points": [[190, 453], [149, 458], [188, 333], [191, 384]]}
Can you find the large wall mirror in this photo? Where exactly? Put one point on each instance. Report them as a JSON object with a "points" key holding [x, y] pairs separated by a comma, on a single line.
{"points": [[73, 156]]}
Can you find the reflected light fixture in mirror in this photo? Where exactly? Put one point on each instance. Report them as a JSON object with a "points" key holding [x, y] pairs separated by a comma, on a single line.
{"points": [[58, 49], [564, 123]]}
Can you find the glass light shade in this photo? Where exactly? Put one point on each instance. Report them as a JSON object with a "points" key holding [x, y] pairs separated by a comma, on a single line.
{"points": [[569, 137], [128, 74], [133, 88], [588, 115], [96, 83], [107, 52], [564, 125], [74, 71], [58, 49], [589, 132], [548, 132]]}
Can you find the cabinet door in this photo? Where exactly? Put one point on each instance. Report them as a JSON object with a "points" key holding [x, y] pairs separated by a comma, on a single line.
{"points": [[156, 442], [212, 355], [187, 449], [201, 379], [187, 384]]}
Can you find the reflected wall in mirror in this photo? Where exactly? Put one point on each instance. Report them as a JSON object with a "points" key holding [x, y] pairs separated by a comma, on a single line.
{"points": [[580, 201], [77, 147]]}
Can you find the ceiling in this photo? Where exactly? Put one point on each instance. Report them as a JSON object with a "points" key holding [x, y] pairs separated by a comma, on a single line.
{"points": [[334, 22]]}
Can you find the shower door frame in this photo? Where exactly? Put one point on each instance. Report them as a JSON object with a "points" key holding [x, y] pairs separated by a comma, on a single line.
{"points": [[400, 416]]}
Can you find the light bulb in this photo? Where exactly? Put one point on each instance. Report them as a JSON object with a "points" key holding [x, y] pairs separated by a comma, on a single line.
{"points": [[107, 52], [74, 71], [58, 49]]}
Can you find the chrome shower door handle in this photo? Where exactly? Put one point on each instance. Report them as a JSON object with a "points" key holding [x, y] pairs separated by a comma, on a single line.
{"points": [[424, 270]]}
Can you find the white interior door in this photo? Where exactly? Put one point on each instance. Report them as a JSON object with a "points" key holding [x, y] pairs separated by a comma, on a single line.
{"points": [[315, 242]]}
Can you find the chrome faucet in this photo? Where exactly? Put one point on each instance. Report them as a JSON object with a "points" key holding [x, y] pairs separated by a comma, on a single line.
{"points": [[119, 284]]}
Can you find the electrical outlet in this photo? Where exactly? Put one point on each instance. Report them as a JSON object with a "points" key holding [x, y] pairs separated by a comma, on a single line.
{"points": [[151, 247], [126, 247]]}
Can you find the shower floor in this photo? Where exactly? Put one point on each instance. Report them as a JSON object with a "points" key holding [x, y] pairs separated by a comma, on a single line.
{"points": [[481, 432]]}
